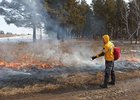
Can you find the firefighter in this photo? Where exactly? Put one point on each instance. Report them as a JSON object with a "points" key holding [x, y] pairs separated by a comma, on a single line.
{"points": [[107, 51]]}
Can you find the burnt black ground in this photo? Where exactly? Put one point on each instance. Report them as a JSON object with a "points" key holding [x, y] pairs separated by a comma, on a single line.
{"points": [[25, 77]]}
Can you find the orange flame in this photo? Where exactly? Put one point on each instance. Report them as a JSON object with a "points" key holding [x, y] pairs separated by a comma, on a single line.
{"points": [[28, 63]]}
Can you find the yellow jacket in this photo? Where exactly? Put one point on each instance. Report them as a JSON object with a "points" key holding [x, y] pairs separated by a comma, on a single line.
{"points": [[108, 49]]}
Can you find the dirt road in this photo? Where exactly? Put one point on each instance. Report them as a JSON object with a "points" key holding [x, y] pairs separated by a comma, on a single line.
{"points": [[123, 90]]}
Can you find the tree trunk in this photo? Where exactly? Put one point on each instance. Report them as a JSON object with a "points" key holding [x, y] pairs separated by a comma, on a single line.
{"points": [[131, 40], [137, 36], [40, 34], [34, 33]]}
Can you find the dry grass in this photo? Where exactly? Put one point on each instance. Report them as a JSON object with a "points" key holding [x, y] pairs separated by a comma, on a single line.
{"points": [[8, 35]]}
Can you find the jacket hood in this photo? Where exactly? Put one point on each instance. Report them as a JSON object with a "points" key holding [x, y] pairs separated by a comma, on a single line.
{"points": [[106, 38]]}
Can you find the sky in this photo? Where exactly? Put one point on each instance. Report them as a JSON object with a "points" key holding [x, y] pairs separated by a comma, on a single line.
{"points": [[89, 1], [12, 28], [6, 0]]}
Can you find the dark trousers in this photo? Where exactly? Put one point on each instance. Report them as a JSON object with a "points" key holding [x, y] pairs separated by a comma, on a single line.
{"points": [[109, 71]]}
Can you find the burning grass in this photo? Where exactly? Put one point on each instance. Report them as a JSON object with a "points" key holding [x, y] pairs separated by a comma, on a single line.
{"points": [[41, 54], [24, 55], [50, 54]]}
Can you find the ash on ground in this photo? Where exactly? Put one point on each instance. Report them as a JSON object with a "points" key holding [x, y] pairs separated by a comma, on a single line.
{"points": [[30, 76]]}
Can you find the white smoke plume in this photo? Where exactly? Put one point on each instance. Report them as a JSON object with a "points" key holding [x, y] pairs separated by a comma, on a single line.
{"points": [[70, 53]]}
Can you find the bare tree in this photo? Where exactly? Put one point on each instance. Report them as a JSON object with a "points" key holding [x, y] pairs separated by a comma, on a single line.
{"points": [[136, 12], [124, 15]]}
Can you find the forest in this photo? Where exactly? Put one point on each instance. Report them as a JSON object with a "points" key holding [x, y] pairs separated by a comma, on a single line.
{"points": [[77, 19]]}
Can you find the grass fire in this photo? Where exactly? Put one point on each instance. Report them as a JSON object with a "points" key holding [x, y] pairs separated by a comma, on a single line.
{"points": [[69, 50]]}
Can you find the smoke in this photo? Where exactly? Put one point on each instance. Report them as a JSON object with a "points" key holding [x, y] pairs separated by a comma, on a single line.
{"points": [[73, 53], [41, 18], [37, 12], [80, 56], [55, 50], [69, 53]]}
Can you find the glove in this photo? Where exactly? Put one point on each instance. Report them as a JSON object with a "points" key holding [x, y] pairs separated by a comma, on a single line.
{"points": [[94, 57]]}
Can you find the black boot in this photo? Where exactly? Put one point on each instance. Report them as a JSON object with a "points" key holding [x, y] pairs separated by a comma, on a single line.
{"points": [[103, 86], [111, 83]]}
